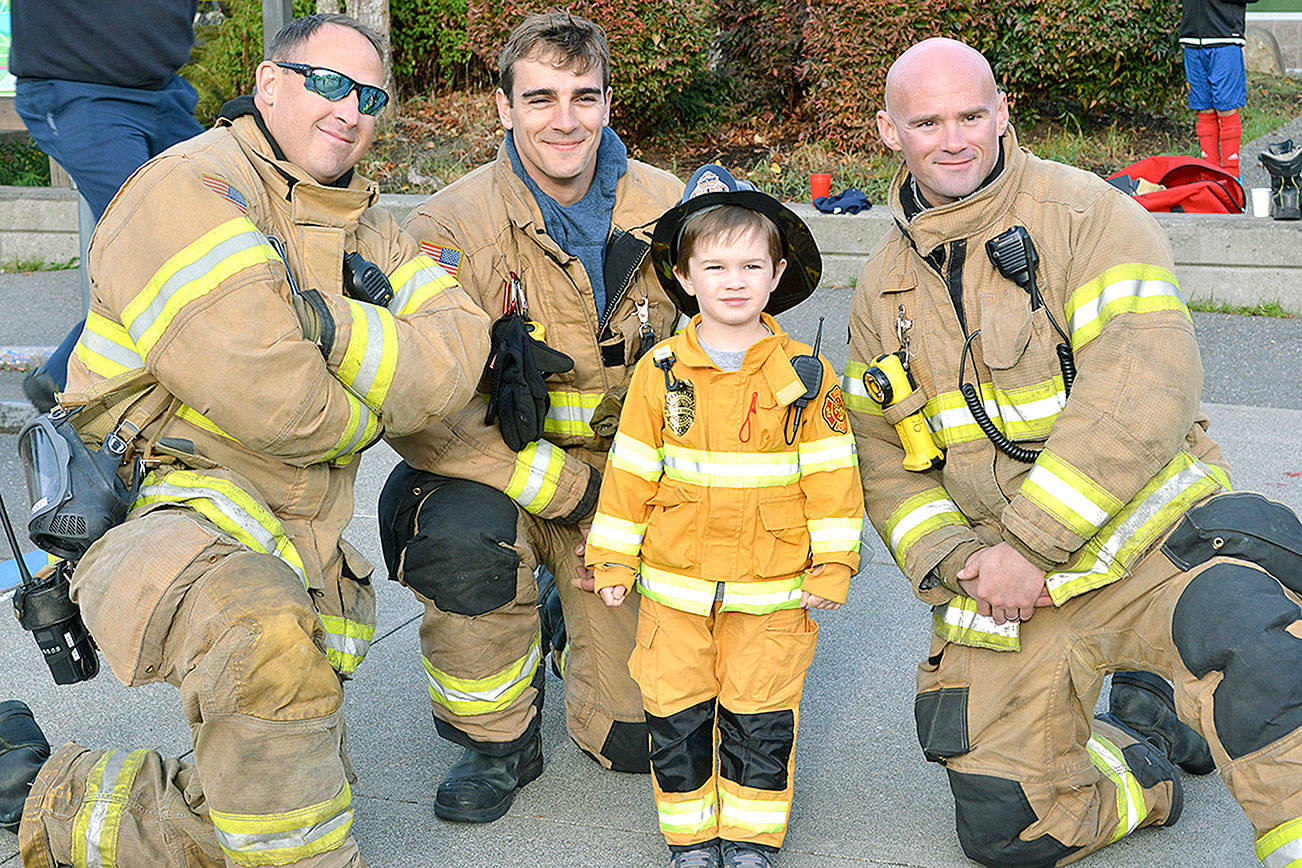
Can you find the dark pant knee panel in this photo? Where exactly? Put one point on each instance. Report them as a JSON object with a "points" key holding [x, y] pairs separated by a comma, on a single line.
{"points": [[682, 747], [990, 814], [451, 539], [755, 749], [627, 748], [1234, 619]]}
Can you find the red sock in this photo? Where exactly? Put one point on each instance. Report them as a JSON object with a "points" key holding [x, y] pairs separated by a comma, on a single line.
{"points": [[1231, 136], [1209, 138]]}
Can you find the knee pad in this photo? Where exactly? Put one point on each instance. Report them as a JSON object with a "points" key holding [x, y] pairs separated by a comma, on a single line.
{"points": [[627, 748], [1234, 619], [266, 655], [682, 747], [990, 814], [755, 749], [452, 540]]}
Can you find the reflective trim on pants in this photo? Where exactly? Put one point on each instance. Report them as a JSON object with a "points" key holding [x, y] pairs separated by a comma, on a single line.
{"points": [[279, 839], [95, 828]]}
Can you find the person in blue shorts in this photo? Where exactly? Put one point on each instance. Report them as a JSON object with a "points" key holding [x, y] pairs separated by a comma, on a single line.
{"points": [[1211, 32]]}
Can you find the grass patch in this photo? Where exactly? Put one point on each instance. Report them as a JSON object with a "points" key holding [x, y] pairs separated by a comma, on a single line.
{"points": [[22, 164], [27, 266], [1261, 308]]}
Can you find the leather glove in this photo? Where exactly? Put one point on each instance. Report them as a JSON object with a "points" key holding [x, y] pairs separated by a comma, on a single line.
{"points": [[316, 320], [605, 416], [517, 369]]}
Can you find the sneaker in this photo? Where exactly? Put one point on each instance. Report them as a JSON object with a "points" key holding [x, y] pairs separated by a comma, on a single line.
{"points": [[1146, 703], [702, 856], [741, 855]]}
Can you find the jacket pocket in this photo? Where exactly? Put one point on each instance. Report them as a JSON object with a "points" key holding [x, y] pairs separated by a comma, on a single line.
{"points": [[940, 707], [1006, 328], [673, 536], [782, 540]]}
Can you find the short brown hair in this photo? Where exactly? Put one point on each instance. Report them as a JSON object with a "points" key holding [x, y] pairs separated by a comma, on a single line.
{"points": [[296, 33], [724, 223], [576, 42]]}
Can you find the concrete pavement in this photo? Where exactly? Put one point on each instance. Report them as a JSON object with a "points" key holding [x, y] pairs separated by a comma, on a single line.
{"points": [[864, 796]]}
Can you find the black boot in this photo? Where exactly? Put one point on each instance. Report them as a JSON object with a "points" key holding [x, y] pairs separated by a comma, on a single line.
{"points": [[1283, 162], [1150, 765], [23, 749], [480, 788], [1145, 703]]}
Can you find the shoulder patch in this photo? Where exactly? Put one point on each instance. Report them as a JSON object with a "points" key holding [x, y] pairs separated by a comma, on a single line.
{"points": [[227, 192], [834, 411], [448, 258]]}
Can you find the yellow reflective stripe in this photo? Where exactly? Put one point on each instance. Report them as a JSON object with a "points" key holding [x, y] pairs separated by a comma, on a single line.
{"points": [[686, 817], [570, 413], [199, 420], [1113, 550], [1068, 495], [1134, 287], [106, 348], [918, 516], [855, 393], [99, 819], [363, 427], [616, 534], [697, 596], [346, 641], [471, 696], [415, 282], [834, 534], [282, 838], [731, 469], [229, 507], [761, 597], [1281, 847], [631, 455], [829, 453], [1108, 759], [753, 814], [372, 354], [536, 475], [960, 622], [190, 273], [1029, 412], [951, 421]]}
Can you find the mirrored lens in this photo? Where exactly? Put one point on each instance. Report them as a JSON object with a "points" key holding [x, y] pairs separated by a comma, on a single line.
{"points": [[330, 84], [370, 99]]}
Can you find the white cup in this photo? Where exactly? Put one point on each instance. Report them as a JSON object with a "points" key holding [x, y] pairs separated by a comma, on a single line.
{"points": [[1260, 201]]}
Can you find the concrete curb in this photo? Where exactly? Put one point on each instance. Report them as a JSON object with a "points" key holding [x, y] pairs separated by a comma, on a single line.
{"points": [[14, 415], [22, 358]]}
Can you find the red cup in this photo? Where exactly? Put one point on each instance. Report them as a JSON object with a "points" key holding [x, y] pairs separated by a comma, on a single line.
{"points": [[820, 184]]}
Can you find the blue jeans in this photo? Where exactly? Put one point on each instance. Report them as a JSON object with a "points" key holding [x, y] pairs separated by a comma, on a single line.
{"points": [[100, 134]]}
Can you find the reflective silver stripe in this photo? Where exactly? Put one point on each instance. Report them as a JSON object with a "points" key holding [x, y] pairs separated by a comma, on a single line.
{"points": [[1285, 855], [99, 811], [110, 349]]}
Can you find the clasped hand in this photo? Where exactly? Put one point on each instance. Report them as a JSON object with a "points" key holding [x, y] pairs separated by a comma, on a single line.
{"points": [[1005, 585]]}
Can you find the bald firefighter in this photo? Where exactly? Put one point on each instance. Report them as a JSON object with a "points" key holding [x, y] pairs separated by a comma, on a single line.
{"points": [[1064, 511]]}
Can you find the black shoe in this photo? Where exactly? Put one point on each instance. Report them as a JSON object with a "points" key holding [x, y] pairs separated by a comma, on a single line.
{"points": [[39, 387], [23, 749], [1150, 765], [480, 788], [1146, 703]]}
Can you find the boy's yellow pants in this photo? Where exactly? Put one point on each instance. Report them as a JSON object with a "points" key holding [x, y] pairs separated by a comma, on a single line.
{"points": [[722, 695]]}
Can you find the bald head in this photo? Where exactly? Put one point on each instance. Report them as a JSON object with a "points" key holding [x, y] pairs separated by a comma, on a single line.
{"points": [[945, 115]]}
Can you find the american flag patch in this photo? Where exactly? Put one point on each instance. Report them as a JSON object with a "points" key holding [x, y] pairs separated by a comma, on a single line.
{"points": [[226, 191], [449, 258]]}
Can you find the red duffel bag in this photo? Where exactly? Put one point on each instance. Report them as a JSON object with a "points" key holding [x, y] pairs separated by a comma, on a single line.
{"points": [[1191, 185]]}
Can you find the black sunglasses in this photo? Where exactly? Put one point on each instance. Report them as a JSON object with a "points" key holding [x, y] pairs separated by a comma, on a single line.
{"points": [[334, 86]]}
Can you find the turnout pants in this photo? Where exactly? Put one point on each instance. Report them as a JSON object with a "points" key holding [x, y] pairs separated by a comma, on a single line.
{"points": [[170, 598], [722, 694], [469, 554], [1036, 781]]}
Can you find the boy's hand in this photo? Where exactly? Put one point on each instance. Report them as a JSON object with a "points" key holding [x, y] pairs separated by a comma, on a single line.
{"points": [[613, 596], [813, 601]]}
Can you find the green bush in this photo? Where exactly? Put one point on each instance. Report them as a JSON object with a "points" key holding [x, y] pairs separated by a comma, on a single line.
{"points": [[429, 46], [762, 44], [22, 164], [658, 51]]}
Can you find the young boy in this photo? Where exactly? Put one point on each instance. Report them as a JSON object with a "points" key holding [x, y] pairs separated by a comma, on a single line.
{"points": [[732, 501]]}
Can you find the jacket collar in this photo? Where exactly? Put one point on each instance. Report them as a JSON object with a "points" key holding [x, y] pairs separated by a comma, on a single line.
{"points": [[966, 217], [310, 201], [767, 356]]}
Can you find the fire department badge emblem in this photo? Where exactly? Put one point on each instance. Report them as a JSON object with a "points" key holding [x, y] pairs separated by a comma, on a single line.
{"points": [[834, 411], [680, 407]]}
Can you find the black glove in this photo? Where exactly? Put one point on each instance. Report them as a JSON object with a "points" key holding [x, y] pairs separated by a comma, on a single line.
{"points": [[517, 369]]}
